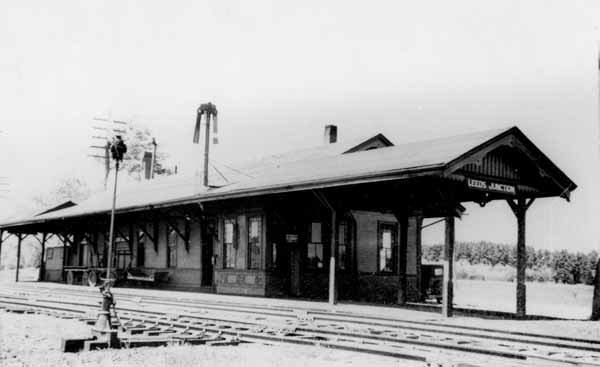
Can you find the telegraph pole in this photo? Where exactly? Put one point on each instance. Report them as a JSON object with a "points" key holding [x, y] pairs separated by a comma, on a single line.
{"points": [[117, 149], [103, 327]]}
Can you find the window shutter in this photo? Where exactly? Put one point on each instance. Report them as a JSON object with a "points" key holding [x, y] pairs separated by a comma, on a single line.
{"points": [[235, 234]]}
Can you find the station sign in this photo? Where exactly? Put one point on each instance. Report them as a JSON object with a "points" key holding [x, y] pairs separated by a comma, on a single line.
{"points": [[291, 238], [491, 186]]}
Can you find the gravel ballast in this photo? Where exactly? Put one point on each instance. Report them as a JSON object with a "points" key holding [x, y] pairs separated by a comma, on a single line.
{"points": [[34, 340]]}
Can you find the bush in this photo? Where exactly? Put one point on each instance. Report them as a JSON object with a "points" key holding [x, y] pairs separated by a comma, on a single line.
{"points": [[499, 272], [499, 262]]}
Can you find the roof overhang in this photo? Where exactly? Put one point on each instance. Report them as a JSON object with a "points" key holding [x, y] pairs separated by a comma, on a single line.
{"points": [[446, 168]]}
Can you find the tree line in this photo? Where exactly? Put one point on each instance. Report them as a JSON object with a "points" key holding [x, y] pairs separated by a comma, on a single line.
{"points": [[565, 266]]}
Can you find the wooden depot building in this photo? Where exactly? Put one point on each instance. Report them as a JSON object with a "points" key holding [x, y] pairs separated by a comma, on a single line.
{"points": [[339, 221]]}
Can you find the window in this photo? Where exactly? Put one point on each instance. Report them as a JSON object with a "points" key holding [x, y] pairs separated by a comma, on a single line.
{"points": [[342, 245], [254, 242], [49, 254], [171, 248], [229, 248], [141, 249], [315, 247], [387, 242]]}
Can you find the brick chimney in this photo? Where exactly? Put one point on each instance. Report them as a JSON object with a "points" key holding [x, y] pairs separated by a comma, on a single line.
{"points": [[147, 165], [330, 136]]}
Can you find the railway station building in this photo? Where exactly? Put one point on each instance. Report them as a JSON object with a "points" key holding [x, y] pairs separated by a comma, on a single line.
{"points": [[341, 221]]}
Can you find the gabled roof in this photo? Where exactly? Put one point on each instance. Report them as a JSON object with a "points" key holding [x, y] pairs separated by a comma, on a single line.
{"points": [[256, 167], [327, 167], [363, 166]]}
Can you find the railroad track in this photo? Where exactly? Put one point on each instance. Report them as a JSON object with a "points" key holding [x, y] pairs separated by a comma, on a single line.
{"points": [[406, 339]]}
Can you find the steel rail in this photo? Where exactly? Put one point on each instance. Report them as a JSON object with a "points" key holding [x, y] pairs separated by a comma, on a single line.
{"points": [[538, 339], [363, 336], [247, 334]]}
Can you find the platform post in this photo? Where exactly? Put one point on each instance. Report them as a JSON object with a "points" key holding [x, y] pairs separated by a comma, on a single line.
{"points": [[42, 263], [448, 285], [64, 256], [596, 299], [519, 208], [19, 239], [521, 266], [419, 251], [332, 258], [402, 256]]}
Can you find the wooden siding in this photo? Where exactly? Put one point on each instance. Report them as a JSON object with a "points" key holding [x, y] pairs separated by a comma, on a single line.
{"points": [[496, 164], [187, 272], [366, 241]]}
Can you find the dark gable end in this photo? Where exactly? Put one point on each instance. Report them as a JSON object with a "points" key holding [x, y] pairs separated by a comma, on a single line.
{"points": [[512, 158]]}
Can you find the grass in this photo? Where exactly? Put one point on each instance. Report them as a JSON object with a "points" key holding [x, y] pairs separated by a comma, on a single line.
{"points": [[548, 299]]}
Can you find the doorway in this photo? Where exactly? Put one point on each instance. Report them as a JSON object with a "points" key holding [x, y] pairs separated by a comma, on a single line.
{"points": [[207, 254]]}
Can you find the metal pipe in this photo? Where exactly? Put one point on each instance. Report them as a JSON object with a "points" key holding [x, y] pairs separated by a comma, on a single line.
{"points": [[112, 227], [19, 238], [206, 146]]}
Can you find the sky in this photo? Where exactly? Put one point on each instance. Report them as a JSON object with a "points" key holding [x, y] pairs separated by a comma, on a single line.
{"points": [[279, 71]]}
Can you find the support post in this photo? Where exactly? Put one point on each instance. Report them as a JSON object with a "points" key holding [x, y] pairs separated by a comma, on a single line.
{"points": [[519, 208], [402, 256], [64, 254], [448, 285], [332, 247], [333, 255], [596, 300], [19, 239], [521, 264], [42, 257], [419, 251]]}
